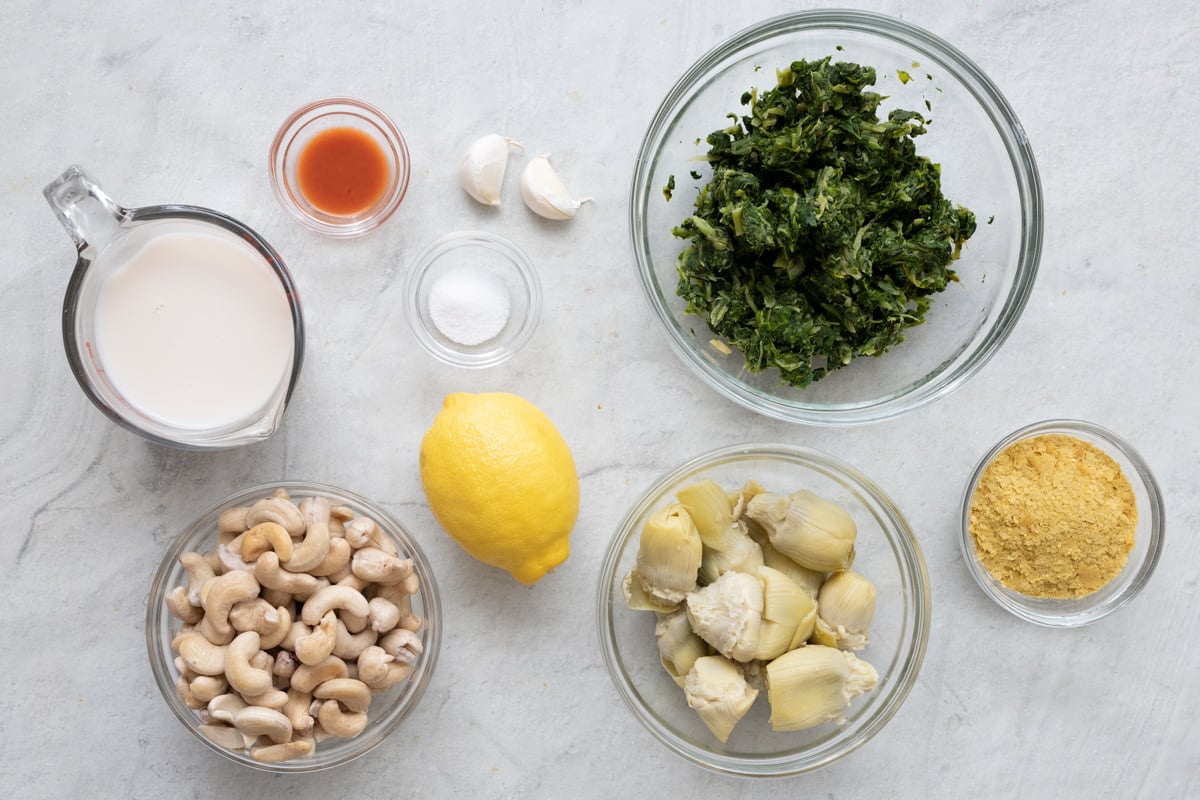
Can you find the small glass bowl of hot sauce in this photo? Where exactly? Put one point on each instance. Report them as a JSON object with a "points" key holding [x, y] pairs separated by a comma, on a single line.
{"points": [[339, 166]]}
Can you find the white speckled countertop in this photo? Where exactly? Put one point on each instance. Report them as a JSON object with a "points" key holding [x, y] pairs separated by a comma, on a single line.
{"points": [[170, 102]]}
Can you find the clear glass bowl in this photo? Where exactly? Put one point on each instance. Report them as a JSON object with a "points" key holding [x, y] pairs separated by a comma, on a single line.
{"points": [[887, 553], [338, 112], [987, 166], [1148, 538], [387, 711], [499, 260]]}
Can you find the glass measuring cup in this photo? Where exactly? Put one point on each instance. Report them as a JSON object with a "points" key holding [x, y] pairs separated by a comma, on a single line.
{"points": [[180, 323]]}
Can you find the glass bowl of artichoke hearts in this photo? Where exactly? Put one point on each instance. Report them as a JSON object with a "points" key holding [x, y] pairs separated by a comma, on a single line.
{"points": [[764, 609]]}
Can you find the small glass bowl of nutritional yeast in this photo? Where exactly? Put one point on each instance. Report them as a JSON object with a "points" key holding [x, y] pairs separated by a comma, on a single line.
{"points": [[339, 166]]}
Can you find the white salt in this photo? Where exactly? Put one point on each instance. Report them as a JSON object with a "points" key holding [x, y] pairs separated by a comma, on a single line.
{"points": [[469, 306]]}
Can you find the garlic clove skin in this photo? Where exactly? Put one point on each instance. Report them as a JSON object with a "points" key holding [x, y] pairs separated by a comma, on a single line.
{"points": [[482, 170], [545, 194]]}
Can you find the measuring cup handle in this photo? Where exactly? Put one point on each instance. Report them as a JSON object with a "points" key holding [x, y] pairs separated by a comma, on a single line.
{"points": [[88, 214]]}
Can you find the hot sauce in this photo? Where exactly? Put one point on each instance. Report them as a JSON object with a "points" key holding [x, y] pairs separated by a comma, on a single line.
{"points": [[342, 171]]}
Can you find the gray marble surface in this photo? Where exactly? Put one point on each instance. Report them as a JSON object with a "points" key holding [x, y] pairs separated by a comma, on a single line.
{"points": [[177, 102]]}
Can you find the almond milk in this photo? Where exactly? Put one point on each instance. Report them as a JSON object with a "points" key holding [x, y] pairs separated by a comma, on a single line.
{"points": [[194, 330]]}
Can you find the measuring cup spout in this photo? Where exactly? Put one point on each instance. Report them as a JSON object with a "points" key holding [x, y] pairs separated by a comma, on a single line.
{"points": [[88, 214]]}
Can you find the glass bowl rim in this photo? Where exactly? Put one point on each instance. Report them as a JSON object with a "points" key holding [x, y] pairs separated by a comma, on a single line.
{"points": [[1020, 157], [912, 565], [382, 123], [1144, 569], [431, 634], [514, 255]]}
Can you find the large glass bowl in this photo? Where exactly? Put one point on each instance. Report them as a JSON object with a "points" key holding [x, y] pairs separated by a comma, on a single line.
{"points": [[886, 552], [387, 710], [986, 165]]}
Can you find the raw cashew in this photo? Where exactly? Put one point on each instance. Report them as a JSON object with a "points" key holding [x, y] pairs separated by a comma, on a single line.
{"points": [[254, 615], [316, 646], [338, 722], [364, 532], [272, 753], [353, 622], [403, 644], [313, 549], [337, 559], [279, 510], [296, 710], [348, 578], [206, 687], [262, 659], [232, 522], [180, 608], [373, 665], [260, 721], [396, 673], [224, 707], [308, 677], [231, 561], [334, 597], [353, 694], [383, 616], [270, 574], [202, 656], [285, 665], [272, 638], [276, 597], [272, 698], [403, 601], [243, 677], [183, 688], [349, 645], [223, 593], [377, 566], [198, 571], [205, 628], [297, 630], [224, 736], [263, 537]]}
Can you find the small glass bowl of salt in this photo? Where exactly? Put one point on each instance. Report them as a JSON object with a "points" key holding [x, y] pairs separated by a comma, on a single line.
{"points": [[473, 298]]}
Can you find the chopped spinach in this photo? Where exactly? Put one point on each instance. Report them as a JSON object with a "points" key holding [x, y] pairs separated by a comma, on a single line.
{"points": [[821, 233], [669, 189]]}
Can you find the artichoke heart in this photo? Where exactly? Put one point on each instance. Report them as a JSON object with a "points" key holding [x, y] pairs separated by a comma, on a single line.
{"points": [[678, 646], [810, 580], [727, 544], [639, 599], [814, 532], [727, 614], [788, 615], [845, 607], [814, 684], [717, 689], [669, 553]]}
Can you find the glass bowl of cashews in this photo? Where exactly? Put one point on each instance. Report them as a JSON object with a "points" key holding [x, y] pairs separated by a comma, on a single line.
{"points": [[293, 626]]}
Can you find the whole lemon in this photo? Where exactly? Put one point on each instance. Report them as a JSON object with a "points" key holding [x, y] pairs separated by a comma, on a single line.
{"points": [[500, 479]]}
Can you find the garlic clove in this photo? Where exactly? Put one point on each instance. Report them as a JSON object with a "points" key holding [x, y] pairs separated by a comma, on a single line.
{"points": [[482, 170], [545, 194]]}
